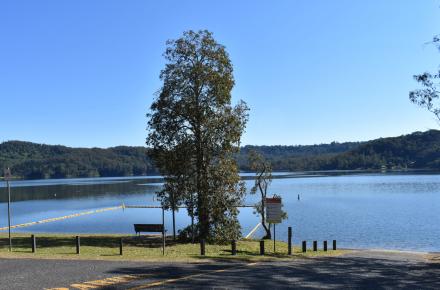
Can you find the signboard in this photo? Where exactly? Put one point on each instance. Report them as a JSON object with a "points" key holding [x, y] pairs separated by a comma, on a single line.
{"points": [[273, 210], [7, 174]]}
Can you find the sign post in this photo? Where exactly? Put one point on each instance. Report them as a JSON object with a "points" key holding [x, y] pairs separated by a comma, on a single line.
{"points": [[7, 176], [273, 213], [163, 231]]}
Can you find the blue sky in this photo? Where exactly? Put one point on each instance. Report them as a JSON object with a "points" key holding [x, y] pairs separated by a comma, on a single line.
{"points": [[84, 73]]}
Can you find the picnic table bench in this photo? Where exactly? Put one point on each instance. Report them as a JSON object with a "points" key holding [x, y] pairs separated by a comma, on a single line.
{"points": [[148, 228]]}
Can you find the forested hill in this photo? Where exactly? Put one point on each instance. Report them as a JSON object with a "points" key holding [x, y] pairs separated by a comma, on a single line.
{"points": [[33, 161], [419, 150], [300, 157]]}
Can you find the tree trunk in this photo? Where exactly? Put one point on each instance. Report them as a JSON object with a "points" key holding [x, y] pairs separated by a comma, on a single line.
{"points": [[263, 212], [268, 235], [192, 219], [202, 199], [201, 189]]}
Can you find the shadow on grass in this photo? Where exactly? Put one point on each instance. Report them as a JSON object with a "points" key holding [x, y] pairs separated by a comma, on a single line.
{"points": [[256, 254], [91, 241], [20, 251], [65, 245]]}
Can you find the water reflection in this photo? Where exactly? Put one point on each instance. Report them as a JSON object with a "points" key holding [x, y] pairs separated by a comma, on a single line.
{"points": [[74, 189]]}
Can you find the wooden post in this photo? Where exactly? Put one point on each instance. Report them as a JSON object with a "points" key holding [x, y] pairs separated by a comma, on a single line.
{"points": [[262, 247], [274, 249], [325, 246], [120, 246], [315, 246], [289, 239], [7, 176], [304, 246], [192, 219], [202, 247], [34, 243], [174, 216], [334, 245], [77, 245], [234, 247], [163, 231]]}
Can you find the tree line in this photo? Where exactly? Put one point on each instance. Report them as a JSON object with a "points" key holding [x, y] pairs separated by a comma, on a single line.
{"points": [[39, 161], [420, 150]]}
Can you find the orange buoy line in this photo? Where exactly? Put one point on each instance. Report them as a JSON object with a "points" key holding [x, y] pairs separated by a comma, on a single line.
{"points": [[63, 217]]}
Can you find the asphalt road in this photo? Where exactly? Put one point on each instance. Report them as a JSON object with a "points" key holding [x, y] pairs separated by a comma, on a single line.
{"points": [[358, 270]]}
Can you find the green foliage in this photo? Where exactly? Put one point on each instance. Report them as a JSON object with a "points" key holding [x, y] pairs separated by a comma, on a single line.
{"points": [[420, 150], [429, 96], [37, 161], [295, 158], [415, 151], [193, 132], [185, 235]]}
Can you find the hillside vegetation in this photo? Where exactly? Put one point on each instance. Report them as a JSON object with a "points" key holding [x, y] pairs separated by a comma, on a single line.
{"points": [[420, 150], [34, 161]]}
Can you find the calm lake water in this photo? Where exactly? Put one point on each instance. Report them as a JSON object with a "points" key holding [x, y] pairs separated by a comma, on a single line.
{"points": [[360, 211]]}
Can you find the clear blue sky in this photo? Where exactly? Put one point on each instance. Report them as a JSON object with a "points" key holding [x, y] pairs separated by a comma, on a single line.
{"points": [[84, 73]]}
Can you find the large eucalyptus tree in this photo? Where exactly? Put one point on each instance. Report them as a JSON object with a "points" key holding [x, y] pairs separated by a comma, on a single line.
{"points": [[194, 131]]}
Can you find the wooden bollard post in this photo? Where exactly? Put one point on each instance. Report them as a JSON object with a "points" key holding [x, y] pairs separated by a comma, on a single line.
{"points": [[202, 247], [325, 246], [289, 241], [315, 246], [120, 246], [78, 245], [304, 246], [34, 243], [334, 245], [262, 247], [234, 247]]}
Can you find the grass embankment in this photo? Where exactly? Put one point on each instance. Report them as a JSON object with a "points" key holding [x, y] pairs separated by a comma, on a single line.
{"points": [[144, 248]]}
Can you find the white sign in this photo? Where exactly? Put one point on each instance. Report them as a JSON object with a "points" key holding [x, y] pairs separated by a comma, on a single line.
{"points": [[7, 174], [273, 210]]}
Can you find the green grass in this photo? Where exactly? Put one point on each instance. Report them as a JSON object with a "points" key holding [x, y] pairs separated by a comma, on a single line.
{"points": [[144, 248]]}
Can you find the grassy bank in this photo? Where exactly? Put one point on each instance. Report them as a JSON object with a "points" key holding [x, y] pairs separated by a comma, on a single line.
{"points": [[144, 248]]}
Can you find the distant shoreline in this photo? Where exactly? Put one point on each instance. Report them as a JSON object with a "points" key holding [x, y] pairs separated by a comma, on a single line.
{"points": [[246, 175], [414, 152]]}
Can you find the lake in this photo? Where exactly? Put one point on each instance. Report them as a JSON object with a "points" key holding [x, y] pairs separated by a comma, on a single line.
{"points": [[390, 211]]}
